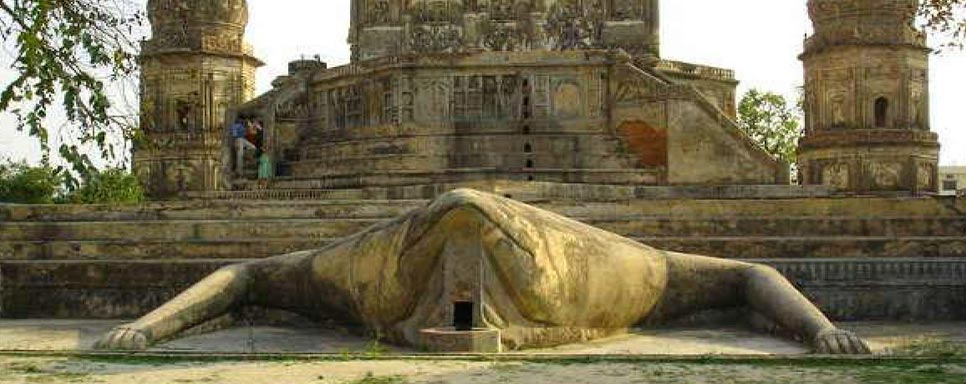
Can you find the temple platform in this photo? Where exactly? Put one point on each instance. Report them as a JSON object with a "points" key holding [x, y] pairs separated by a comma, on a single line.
{"points": [[885, 338]]}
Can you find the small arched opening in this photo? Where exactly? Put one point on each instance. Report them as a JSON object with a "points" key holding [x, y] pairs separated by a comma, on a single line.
{"points": [[528, 148], [529, 163], [881, 112]]}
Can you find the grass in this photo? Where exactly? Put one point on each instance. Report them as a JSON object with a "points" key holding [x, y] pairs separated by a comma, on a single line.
{"points": [[929, 373], [932, 348], [934, 368], [371, 379], [32, 372]]}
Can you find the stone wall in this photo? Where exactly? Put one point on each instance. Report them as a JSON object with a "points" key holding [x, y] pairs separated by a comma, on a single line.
{"points": [[859, 258], [589, 116]]}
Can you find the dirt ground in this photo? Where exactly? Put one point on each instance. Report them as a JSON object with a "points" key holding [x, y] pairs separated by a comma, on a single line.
{"points": [[79, 335], [20, 369], [52, 351]]}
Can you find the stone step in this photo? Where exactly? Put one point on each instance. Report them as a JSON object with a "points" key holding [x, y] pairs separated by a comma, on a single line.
{"points": [[569, 199], [177, 230], [506, 142], [210, 210], [315, 176], [783, 226], [95, 289], [846, 289], [625, 226], [155, 249], [784, 247], [443, 160], [567, 187], [752, 247]]}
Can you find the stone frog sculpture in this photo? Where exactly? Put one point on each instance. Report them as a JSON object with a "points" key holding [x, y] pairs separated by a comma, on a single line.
{"points": [[537, 278]]}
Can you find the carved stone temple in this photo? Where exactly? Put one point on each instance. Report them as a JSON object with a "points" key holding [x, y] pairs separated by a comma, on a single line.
{"points": [[565, 105], [867, 99], [194, 69], [447, 91], [444, 92]]}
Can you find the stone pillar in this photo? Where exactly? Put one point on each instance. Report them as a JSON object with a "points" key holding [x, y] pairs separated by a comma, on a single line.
{"points": [[194, 69], [866, 94], [632, 25]]}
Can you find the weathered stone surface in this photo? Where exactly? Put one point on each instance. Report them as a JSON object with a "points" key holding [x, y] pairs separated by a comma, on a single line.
{"points": [[451, 340], [569, 91], [194, 69], [481, 261], [92, 289], [586, 116], [382, 28], [867, 99], [825, 234]]}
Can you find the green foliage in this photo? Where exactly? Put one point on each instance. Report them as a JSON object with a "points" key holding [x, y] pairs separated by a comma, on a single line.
{"points": [[23, 184], [768, 119], [64, 53], [945, 18], [928, 347], [112, 186]]}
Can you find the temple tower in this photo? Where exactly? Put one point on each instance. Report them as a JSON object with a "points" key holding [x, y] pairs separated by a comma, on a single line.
{"points": [[866, 99], [194, 69]]}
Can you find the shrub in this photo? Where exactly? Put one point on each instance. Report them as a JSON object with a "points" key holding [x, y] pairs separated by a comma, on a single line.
{"points": [[23, 184], [112, 186]]}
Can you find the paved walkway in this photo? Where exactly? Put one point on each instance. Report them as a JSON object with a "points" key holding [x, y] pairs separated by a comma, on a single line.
{"points": [[78, 335]]}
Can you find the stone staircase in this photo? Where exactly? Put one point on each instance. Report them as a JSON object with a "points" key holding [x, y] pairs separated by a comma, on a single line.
{"points": [[855, 256]]}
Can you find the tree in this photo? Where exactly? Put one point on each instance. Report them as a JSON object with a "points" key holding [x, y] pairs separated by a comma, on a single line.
{"points": [[24, 184], [768, 119], [64, 52], [945, 18]]}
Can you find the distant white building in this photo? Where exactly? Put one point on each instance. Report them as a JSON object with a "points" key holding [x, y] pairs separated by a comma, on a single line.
{"points": [[952, 180]]}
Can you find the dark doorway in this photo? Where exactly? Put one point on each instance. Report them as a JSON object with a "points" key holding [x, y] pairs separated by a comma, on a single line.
{"points": [[463, 315], [881, 112]]}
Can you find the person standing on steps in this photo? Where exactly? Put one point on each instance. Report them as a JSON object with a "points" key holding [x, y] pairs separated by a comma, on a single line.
{"points": [[266, 167], [239, 131]]}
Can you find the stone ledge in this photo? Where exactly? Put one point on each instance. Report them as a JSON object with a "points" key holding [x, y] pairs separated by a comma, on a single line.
{"points": [[450, 340], [853, 289]]}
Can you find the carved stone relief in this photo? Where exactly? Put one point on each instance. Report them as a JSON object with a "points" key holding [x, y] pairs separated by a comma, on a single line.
{"points": [[575, 24], [379, 12], [436, 38], [566, 98], [836, 175], [886, 175], [627, 9], [925, 176], [837, 102], [297, 108], [432, 98], [503, 37], [634, 89]]}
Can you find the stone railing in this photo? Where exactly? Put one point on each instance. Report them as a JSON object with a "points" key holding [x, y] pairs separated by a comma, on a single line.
{"points": [[677, 67]]}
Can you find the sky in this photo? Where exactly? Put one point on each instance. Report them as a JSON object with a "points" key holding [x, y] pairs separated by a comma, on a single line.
{"points": [[759, 39]]}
